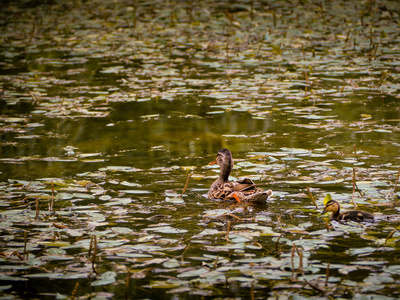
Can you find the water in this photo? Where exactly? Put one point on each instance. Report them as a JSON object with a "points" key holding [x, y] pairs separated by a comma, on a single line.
{"points": [[107, 121]]}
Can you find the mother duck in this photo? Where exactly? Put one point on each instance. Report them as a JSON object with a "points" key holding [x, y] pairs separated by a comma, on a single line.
{"points": [[242, 190]]}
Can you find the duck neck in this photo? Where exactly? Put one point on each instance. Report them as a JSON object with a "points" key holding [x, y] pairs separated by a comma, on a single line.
{"points": [[224, 173], [336, 215]]}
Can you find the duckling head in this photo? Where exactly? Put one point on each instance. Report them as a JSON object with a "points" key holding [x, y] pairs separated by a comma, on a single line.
{"points": [[331, 206]]}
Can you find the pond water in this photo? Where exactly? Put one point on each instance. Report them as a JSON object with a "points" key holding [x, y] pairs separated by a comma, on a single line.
{"points": [[111, 111]]}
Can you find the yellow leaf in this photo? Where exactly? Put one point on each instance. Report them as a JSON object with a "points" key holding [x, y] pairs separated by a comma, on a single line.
{"points": [[327, 198]]}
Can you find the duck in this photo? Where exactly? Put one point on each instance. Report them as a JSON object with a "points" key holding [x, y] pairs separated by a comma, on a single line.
{"points": [[350, 215], [243, 190]]}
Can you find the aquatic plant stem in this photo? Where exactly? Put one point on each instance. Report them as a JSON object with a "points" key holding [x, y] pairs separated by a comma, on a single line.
{"points": [[25, 256], [311, 197], [274, 18], [397, 181], [292, 262], [90, 246], [27, 186], [32, 34], [376, 49], [37, 209], [371, 41], [313, 285], [278, 220], [348, 35], [300, 254], [235, 217], [186, 249], [228, 228], [354, 187], [227, 51], [327, 274], [186, 185], [301, 270], [128, 276], [355, 153], [74, 291], [52, 196], [277, 249], [328, 225], [390, 235], [94, 255], [215, 263]]}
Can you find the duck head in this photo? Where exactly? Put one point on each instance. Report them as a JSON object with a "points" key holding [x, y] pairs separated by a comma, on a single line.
{"points": [[331, 206], [225, 162]]}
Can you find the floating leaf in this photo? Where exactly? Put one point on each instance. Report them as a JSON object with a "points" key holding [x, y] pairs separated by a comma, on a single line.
{"points": [[105, 279], [327, 198]]}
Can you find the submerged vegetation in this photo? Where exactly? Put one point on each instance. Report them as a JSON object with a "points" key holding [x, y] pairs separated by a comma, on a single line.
{"points": [[111, 110]]}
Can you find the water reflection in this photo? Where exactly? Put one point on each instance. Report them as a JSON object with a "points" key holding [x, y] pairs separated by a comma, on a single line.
{"points": [[107, 109], [152, 134]]}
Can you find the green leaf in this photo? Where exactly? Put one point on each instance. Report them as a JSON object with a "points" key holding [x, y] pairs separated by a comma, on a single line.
{"points": [[106, 278]]}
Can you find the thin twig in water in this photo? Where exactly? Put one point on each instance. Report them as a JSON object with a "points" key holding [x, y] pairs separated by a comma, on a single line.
{"points": [[328, 225], [228, 228], [311, 197], [314, 286], [397, 181], [94, 255], [74, 291], [277, 249], [25, 241], [227, 50], [236, 217], [354, 187], [376, 48], [186, 249], [215, 263], [52, 196], [292, 261], [27, 186], [348, 35], [31, 35], [390, 235], [37, 209], [327, 274], [128, 276], [300, 254], [355, 153], [228, 78], [278, 220], [186, 185], [90, 246]]}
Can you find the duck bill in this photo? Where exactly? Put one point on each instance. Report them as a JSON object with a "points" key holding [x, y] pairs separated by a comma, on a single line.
{"points": [[214, 162]]}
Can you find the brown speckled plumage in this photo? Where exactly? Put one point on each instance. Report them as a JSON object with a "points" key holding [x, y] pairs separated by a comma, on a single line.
{"points": [[242, 190], [351, 215]]}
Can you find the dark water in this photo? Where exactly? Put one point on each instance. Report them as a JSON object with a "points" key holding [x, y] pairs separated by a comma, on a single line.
{"points": [[109, 118]]}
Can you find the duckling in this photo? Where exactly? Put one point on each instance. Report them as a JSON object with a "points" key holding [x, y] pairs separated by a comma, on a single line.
{"points": [[241, 190], [351, 215]]}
